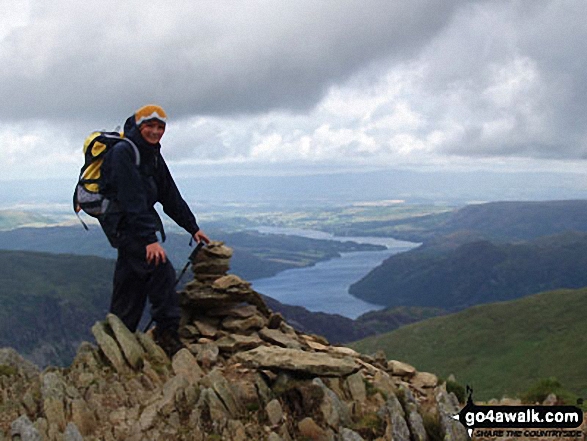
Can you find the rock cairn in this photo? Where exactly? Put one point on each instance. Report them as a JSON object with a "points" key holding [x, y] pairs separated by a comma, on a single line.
{"points": [[245, 374]]}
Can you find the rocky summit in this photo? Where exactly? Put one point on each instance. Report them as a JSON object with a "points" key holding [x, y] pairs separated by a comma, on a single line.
{"points": [[244, 374]]}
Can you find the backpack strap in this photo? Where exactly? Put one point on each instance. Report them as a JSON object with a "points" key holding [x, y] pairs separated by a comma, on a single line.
{"points": [[132, 144], [136, 149]]}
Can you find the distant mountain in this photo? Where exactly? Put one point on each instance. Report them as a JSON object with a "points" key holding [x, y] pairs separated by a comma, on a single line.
{"points": [[255, 255], [501, 348], [14, 218], [338, 329], [519, 220], [476, 272], [502, 221]]}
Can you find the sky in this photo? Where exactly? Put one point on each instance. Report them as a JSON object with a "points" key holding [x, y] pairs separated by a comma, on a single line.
{"points": [[305, 86]]}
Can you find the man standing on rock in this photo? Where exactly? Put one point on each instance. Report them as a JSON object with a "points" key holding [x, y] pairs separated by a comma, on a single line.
{"points": [[131, 222]]}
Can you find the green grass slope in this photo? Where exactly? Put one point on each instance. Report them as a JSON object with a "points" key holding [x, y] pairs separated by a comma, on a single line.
{"points": [[477, 272], [49, 302], [502, 348]]}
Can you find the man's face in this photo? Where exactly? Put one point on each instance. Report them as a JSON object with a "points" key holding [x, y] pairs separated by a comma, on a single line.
{"points": [[152, 131]]}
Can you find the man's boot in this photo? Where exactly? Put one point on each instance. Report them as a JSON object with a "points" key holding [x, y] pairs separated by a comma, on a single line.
{"points": [[169, 341]]}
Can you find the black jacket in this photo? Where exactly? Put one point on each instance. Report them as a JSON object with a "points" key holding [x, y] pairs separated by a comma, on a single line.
{"points": [[133, 192]]}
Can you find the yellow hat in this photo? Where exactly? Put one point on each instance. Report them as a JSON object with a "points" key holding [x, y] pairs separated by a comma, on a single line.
{"points": [[150, 112]]}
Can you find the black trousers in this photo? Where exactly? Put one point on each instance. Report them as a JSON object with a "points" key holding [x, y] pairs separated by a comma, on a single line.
{"points": [[135, 281]]}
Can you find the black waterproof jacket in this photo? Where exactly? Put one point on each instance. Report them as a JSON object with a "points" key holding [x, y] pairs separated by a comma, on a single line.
{"points": [[133, 191]]}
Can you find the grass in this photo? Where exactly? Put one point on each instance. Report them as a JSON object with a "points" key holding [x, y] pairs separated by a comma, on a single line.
{"points": [[499, 349]]}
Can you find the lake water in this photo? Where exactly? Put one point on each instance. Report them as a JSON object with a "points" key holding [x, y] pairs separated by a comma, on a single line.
{"points": [[324, 286]]}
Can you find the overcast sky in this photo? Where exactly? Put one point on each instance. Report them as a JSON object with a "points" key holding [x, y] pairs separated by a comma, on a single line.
{"points": [[303, 85]]}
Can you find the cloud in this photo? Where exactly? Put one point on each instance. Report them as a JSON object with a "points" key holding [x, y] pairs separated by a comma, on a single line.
{"points": [[301, 85], [512, 77], [73, 60]]}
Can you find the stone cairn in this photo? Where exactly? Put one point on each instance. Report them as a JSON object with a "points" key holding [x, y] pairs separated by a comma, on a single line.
{"points": [[245, 374]]}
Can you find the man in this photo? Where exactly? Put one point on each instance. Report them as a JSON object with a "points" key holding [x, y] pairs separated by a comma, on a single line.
{"points": [[131, 222]]}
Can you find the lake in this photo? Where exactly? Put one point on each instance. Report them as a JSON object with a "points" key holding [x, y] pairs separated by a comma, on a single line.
{"points": [[324, 286]]}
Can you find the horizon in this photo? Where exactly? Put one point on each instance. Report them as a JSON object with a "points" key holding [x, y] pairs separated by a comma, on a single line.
{"points": [[247, 193]]}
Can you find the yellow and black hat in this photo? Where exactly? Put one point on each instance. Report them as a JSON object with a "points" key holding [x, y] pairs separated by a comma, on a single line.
{"points": [[149, 113]]}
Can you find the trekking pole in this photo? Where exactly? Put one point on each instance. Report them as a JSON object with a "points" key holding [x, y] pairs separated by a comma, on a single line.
{"points": [[191, 260]]}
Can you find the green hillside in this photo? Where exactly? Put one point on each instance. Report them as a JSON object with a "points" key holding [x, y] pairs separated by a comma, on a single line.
{"points": [[499, 349], [477, 272], [49, 302]]}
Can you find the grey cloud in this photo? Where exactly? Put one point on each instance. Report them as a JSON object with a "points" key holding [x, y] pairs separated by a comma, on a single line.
{"points": [[77, 60], [548, 111]]}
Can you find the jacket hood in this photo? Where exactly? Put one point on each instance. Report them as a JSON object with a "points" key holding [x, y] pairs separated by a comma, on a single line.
{"points": [[131, 131]]}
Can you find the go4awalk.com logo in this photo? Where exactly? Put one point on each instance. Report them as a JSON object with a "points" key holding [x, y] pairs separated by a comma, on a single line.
{"points": [[521, 421]]}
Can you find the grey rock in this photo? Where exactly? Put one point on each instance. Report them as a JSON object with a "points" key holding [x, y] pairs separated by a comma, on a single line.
{"points": [[23, 428], [350, 435], [220, 385], [235, 342], [393, 414], [82, 416], [383, 382], [9, 357], [416, 424], [447, 402], [216, 408], [312, 363], [189, 331], [184, 364], [86, 358], [400, 368], [334, 410], [148, 417], [204, 298], [448, 406], [274, 412], [243, 325], [207, 328], [424, 380], [356, 386], [108, 346], [276, 337], [214, 250], [309, 429], [550, 400], [263, 391], [230, 282], [72, 433], [53, 395], [274, 437], [414, 419], [207, 354], [131, 349], [244, 311], [152, 349]]}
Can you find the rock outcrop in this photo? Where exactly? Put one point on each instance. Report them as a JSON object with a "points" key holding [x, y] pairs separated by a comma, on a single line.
{"points": [[245, 374]]}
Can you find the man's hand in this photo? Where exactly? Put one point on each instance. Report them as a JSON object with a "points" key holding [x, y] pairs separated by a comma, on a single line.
{"points": [[155, 253], [200, 235]]}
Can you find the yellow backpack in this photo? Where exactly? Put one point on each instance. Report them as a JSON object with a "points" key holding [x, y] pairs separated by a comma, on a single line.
{"points": [[87, 196]]}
